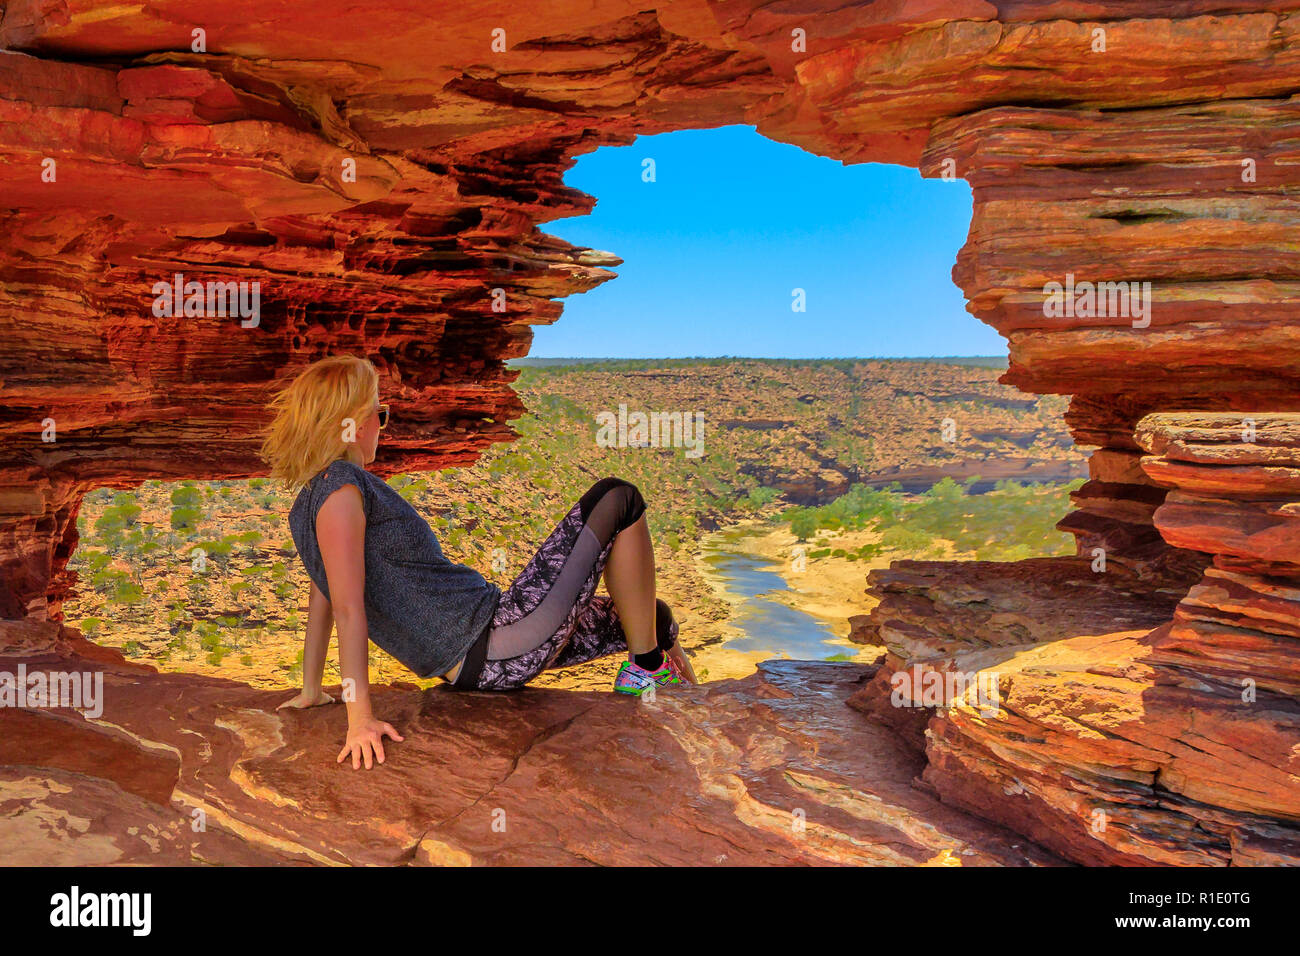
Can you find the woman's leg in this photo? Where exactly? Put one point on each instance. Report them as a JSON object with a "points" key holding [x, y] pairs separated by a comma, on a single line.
{"points": [[630, 578], [599, 632], [539, 612]]}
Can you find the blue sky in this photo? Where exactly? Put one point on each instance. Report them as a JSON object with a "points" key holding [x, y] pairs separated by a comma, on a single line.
{"points": [[734, 222]]}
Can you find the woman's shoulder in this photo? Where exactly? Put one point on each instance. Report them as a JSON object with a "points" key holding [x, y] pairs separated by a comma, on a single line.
{"points": [[342, 468], [337, 474]]}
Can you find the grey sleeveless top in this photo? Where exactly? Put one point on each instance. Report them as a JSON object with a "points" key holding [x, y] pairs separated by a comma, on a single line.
{"points": [[421, 608]]}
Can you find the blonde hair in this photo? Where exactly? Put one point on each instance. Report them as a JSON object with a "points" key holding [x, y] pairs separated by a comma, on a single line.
{"points": [[307, 432]]}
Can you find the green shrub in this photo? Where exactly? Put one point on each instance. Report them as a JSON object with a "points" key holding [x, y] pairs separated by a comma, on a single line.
{"points": [[219, 551], [95, 560], [756, 498], [903, 538], [127, 592], [186, 496], [186, 520], [117, 518]]}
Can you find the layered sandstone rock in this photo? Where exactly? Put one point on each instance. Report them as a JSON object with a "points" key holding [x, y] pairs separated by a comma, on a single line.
{"points": [[1118, 744], [963, 617], [1236, 495], [1095, 750], [771, 769], [382, 176]]}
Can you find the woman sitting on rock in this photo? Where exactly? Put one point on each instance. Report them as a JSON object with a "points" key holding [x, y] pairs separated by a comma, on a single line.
{"points": [[378, 572]]}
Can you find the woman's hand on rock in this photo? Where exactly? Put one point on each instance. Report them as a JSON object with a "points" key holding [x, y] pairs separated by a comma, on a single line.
{"points": [[366, 742], [303, 700]]}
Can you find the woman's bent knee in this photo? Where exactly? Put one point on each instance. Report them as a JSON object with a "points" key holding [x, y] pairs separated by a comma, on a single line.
{"points": [[626, 498]]}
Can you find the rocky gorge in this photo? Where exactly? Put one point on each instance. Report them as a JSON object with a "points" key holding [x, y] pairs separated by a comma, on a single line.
{"points": [[383, 179]]}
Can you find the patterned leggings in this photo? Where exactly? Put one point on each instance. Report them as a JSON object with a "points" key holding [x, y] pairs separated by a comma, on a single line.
{"points": [[550, 616]]}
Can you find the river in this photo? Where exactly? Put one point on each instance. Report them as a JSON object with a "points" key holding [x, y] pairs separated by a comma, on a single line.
{"points": [[767, 626]]}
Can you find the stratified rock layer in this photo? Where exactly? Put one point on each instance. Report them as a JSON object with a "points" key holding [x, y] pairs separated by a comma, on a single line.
{"points": [[771, 769], [382, 177], [1236, 495], [973, 615], [1114, 743]]}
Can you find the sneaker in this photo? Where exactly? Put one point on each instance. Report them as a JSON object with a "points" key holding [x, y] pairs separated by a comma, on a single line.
{"points": [[634, 679], [673, 666]]}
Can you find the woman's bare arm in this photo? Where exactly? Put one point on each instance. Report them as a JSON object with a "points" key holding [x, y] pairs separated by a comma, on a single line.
{"points": [[320, 625], [341, 534], [316, 641]]}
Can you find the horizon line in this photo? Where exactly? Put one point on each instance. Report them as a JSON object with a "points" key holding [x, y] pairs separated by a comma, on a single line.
{"points": [[681, 358]]}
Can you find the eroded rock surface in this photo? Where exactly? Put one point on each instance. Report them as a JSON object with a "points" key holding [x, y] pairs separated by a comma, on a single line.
{"points": [[1113, 742], [769, 769]]}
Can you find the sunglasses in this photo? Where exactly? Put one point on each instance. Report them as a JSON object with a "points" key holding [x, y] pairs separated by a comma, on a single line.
{"points": [[383, 416]]}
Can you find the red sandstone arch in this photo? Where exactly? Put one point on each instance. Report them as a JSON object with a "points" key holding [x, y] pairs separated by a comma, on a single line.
{"points": [[1119, 165]]}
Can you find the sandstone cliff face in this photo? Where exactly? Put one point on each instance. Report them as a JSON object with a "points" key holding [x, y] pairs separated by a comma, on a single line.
{"points": [[381, 174]]}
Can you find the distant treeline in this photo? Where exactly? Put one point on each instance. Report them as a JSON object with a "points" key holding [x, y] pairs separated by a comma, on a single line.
{"points": [[980, 361], [1010, 523]]}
